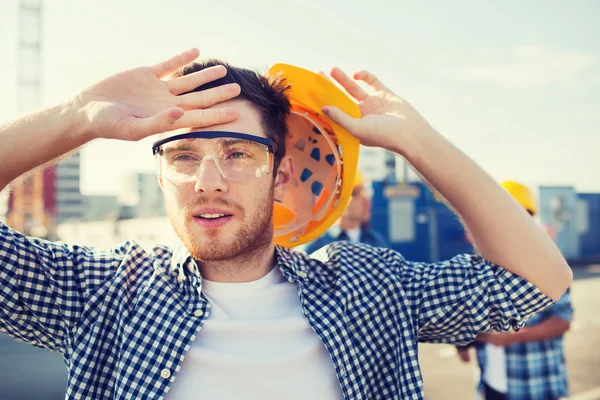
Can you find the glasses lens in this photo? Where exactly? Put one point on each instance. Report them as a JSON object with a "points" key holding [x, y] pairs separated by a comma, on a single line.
{"points": [[236, 159]]}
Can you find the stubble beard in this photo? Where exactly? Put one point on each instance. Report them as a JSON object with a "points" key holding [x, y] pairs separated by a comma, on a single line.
{"points": [[247, 243]]}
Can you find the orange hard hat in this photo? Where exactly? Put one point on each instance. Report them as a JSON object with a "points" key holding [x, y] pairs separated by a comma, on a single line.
{"points": [[324, 158]]}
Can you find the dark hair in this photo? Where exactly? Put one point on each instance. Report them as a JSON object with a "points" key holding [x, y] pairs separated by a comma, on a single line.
{"points": [[267, 93]]}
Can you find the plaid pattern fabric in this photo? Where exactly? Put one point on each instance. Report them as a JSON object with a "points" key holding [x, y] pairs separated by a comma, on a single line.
{"points": [[124, 318], [536, 370]]}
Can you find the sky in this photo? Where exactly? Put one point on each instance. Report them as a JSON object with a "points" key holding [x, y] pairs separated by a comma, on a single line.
{"points": [[515, 85]]}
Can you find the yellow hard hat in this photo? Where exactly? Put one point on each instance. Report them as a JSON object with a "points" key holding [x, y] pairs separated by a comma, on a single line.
{"points": [[324, 157], [522, 194]]}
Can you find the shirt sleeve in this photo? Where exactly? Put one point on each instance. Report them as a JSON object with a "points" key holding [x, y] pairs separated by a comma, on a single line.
{"points": [[455, 300], [563, 308], [44, 286]]}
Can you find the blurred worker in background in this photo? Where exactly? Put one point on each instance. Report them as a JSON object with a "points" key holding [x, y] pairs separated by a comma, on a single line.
{"points": [[529, 364], [355, 223]]}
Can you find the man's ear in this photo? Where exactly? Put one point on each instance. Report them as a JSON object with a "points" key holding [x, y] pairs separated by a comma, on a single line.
{"points": [[285, 173]]}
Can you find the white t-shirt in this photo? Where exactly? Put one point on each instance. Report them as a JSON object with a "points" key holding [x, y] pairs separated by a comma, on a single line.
{"points": [[494, 373], [256, 344]]}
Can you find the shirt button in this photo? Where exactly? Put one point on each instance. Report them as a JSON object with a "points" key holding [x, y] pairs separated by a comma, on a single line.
{"points": [[165, 373], [198, 313], [302, 274]]}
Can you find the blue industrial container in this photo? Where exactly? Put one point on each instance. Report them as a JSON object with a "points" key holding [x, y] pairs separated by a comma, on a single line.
{"points": [[451, 234], [415, 223], [424, 229], [589, 232], [558, 212]]}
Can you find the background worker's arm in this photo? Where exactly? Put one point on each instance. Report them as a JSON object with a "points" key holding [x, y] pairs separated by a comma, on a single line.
{"points": [[128, 106], [553, 322], [502, 231]]}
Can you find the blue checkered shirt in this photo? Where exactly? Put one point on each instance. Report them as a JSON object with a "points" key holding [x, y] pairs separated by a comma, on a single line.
{"points": [[125, 318], [536, 370]]}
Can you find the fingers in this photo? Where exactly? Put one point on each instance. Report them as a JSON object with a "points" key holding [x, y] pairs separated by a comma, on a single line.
{"points": [[349, 84], [190, 82], [371, 80], [352, 125], [171, 65], [209, 97], [203, 118], [176, 118], [352, 87], [163, 121], [464, 355]]}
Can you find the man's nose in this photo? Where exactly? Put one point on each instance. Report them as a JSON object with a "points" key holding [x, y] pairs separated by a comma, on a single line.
{"points": [[209, 178]]}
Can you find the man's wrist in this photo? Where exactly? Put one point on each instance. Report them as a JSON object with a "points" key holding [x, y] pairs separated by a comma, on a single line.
{"points": [[79, 129], [414, 144]]}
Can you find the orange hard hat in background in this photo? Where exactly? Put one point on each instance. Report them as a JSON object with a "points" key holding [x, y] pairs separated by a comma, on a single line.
{"points": [[522, 194], [359, 179]]}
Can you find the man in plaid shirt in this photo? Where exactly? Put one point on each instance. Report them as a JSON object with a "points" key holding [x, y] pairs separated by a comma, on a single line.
{"points": [[228, 314], [529, 364]]}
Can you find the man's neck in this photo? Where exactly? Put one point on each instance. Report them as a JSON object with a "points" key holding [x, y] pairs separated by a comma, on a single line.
{"points": [[248, 267], [349, 225]]}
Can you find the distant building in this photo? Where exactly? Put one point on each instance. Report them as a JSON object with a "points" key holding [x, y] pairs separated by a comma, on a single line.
{"points": [[371, 162], [46, 198], [142, 192], [378, 164], [99, 208], [32, 204], [70, 203]]}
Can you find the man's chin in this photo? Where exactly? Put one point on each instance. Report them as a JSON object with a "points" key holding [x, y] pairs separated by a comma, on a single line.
{"points": [[213, 249], [202, 227], [223, 247]]}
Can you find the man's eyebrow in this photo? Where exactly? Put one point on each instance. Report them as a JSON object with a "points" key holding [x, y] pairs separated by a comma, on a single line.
{"points": [[232, 141], [178, 146], [190, 144]]}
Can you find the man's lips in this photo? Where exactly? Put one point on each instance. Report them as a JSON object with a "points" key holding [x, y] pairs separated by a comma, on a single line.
{"points": [[212, 217], [211, 211]]}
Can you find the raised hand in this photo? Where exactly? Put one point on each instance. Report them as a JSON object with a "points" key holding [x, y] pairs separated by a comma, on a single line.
{"points": [[140, 102], [386, 119]]}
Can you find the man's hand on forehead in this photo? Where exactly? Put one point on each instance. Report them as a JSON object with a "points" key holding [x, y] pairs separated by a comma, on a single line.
{"points": [[144, 101]]}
